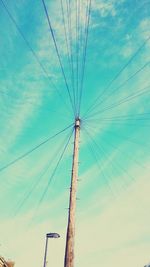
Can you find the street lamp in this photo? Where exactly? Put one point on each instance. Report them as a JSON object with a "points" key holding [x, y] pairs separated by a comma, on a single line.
{"points": [[49, 235]]}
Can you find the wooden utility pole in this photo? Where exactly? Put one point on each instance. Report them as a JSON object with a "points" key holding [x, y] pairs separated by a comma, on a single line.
{"points": [[69, 252]]}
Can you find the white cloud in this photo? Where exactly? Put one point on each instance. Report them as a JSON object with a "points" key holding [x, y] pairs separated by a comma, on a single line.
{"points": [[119, 232], [17, 119], [144, 27], [111, 236], [105, 8]]}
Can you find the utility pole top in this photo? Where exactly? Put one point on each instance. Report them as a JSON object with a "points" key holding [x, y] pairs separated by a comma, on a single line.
{"points": [[77, 122]]}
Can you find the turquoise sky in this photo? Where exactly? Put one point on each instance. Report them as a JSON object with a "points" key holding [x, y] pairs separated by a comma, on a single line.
{"points": [[112, 218]]}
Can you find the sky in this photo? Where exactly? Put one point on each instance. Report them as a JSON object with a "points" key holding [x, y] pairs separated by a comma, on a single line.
{"points": [[97, 67]]}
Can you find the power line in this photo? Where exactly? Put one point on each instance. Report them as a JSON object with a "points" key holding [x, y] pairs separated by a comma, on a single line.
{"points": [[118, 74], [112, 163], [93, 152], [65, 31], [118, 149], [32, 50], [55, 169], [132, 116], [68, 52], [128, 139], [121, 85], [58, 55], [126, 123], [34, 186], [77, 47], [122, 119], [87, 23], [102, 151], [68, 11], [124, 100], [33, 149]]}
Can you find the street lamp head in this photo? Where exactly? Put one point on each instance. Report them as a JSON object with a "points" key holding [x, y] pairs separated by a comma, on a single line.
{"points": [[49, 235], [52, 235]]}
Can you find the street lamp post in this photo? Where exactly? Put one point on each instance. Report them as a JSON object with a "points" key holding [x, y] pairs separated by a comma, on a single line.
{"points": [[49, 235]]}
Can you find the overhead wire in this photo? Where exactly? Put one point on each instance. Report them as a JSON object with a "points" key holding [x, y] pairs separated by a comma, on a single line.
{"points": [[124, 124], [73, 106], [70, 41], [118, 74], [112, 163], [116, 146], [122, 84], [121, 118], [33, 149], [124, 170], [55, 169], [58, 55], [32, 51], [124, 153], [87, 24], [68, 49], [130, 116], [77, 47], [123, 100], [92, 151], [128, 139], [115, 134], [101, 150], [65, 32], [37, 182]]}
